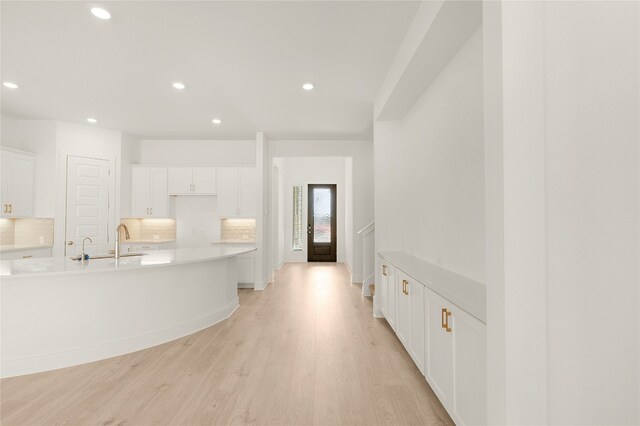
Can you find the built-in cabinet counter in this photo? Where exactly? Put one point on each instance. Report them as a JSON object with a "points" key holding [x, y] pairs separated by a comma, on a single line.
{"points": [[440, 318]]}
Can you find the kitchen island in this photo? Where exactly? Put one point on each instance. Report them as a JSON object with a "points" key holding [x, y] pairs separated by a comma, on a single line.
{"points": [[57, 312]]}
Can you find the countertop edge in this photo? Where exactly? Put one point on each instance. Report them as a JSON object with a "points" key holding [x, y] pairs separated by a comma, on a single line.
{"points": [[477, 309], [126, 268]]}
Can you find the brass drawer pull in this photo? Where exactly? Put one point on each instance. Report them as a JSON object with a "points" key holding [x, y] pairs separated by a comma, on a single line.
{"points": [[442, 316], [405, 285], [384, 270], [446, 324]]}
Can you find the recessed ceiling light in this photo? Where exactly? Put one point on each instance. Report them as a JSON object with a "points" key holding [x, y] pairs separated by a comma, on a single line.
{"points": [[99, 12], [178, 85], [217, 121], [92, 120], [10, 85], [307, 86]]}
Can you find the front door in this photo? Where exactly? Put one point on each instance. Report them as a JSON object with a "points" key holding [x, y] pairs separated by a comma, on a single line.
{"points": [[87, 205], [321, 224]]}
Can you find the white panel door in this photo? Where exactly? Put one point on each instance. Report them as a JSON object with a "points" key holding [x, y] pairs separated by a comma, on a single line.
{"points": [[159, 205], [140, 191], [403, 326], [439, 342], [87, 212], [180, 180], [416, 298], [470, 360], [228, 192], [248, 192], [204, 180]]}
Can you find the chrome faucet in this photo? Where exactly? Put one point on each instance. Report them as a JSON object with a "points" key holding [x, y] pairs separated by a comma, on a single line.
{"points": [[126, 235]]}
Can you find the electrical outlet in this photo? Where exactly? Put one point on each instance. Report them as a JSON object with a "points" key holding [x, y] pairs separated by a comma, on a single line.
{"points": [[156, 237], [41, 239]]}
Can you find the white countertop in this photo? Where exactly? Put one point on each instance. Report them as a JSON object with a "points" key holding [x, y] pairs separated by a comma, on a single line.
{"points": [[145, 241], [468, 294], [13, 247], [47, 266]]}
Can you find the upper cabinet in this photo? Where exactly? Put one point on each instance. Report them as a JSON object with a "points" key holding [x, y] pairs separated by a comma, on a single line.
{"points": [[237, 192], [17, 184], [192, 181], [149, 195]]}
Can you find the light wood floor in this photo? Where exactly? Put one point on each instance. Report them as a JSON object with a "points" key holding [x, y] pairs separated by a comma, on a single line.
{"points": [[304, 351]]}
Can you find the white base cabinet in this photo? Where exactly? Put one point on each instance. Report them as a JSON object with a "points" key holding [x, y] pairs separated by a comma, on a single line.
{"points": [[31, 253], [447, 344]]}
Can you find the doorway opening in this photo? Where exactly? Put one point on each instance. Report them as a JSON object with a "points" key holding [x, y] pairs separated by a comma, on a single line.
{"points": [[322, 223]]}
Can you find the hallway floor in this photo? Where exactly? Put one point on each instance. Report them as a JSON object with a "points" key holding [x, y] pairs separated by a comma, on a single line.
{"points": [[307, 350]]}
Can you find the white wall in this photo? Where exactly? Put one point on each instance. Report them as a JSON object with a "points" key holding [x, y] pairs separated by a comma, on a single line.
{"points": [[362, 154], [240, 153], [302, 171], [130, 155], [592, 103], [432, 177]]}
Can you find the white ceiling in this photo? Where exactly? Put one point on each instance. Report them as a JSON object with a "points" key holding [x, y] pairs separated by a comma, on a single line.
{"points": [[244, 62]]}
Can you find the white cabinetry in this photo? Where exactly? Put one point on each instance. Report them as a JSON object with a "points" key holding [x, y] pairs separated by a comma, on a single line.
{"points": [[17, 184], [387, 292], [34, 252], [410, 316], [246, 265], [138, 247], [149, 195], [446, 342], [237, 192], [192, 181], [456, 370]]}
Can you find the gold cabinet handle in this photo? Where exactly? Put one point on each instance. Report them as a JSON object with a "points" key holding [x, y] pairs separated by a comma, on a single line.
{"points": [[10, 208], [446, 324], [442, 316], [405, 284], [5, 208], [384, 270]]}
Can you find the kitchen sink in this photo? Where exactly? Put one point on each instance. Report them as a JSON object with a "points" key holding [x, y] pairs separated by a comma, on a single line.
{"points": [[109, 256]]}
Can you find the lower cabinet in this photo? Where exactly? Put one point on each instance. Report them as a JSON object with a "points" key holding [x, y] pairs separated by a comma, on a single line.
{"points": [[388, 288], [456, 360], [246, 270], [447, 344], [26, 254], [136, 247]]}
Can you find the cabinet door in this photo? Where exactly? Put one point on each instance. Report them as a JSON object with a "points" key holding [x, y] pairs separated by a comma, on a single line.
{"points": [[204, 180], [439, 342], [5, 184], [180, 180], [470, 360], [416, 299], [227, 192], [392, 295], [403, 327], [140, 191], [159, 206], [247, 192], [381, 290], [246, 269], [18, 184]]}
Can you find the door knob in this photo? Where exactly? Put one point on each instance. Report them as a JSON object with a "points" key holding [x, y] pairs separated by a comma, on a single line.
{"points": [[69, 243]]}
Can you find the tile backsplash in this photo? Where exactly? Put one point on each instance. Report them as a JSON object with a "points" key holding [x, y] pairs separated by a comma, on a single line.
{"points": [[151, 229], [238, 230], [26, 232]]}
